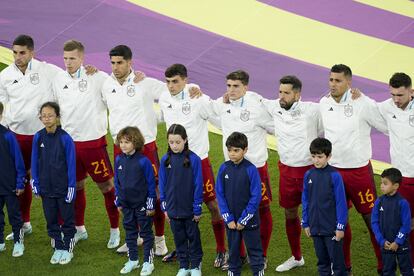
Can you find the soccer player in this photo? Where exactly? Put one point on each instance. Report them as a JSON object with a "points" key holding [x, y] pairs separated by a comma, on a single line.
{"points": [[24, 86], [347, 124], [178, 108], [84, 117], [245, 113]]}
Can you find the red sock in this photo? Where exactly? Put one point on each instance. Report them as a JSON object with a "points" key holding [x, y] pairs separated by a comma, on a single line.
{"points": [[159, 219], [293, 232], [266, 227], [377, 250], [111, 208], [242, 249], [218, 229], [80, 206], [25, 201], [412, 245], [347, 245]]}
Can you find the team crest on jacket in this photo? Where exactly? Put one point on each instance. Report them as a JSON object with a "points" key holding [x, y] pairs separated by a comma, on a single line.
{"points": [[83, 85], [131, 90], [295, 113], [411, 120], [348, 110], [34, 78], [245, 115], [186, 108]]}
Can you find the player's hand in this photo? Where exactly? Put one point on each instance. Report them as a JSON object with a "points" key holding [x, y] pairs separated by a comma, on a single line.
{"points": [[231, 225], [119, 209], [167, 218], [240, 226], [393, 246], [19, 192], [307, 231], [226, 98], [150, 213], [387, 245], [197, 218], [90, 69], [195, 92], [339, 235], [139, 76], [356, 93]]}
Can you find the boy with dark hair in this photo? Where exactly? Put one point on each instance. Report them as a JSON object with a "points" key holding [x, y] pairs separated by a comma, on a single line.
{"points": [[238, 189], [324, 210], [391, 223], [12, 177]]}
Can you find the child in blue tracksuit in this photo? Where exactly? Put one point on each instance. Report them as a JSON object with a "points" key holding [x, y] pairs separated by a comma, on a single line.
{"points": [[12, 177], [391, 224], [239, 192], [135, 197], [181, 194], [324, 210], [54, 180]]}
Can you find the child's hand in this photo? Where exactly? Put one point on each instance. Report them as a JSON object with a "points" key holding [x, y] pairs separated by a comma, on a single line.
{"points": [[387, 245], [231, 225], [119, 209], [393, 246], [307, 231], [339, 235], [197, 218], [150, 213], [19, 191], [240, 226], [167, 217]]}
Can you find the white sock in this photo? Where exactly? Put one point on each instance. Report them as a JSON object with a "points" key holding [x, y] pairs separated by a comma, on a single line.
{"points": [[26, 224], [114, 230], [80, 228]]}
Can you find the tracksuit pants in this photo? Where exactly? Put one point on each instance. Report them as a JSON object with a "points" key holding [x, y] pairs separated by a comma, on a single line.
{"points": [[136, 221], [390, 258], [187, 242], [330, 256], [15, 218], [251, 238], [52, 207]]}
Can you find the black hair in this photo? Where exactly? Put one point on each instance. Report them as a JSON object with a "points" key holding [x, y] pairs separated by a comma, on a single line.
{"points": [[121, 51], [240, 75], [53, 105], [176, 70], [342, 68], [400, 80], [392, 174], [176, 129], [293, 80], [321, 146], [24, 40], [237, 140]]}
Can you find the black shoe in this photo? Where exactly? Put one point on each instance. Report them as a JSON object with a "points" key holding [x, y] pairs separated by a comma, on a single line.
{"points": [[221, 259], [171, 257], [244, 260]]}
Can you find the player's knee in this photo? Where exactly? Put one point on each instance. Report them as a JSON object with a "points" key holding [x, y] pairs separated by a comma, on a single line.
{"points": [[80, 185], [291, 213], [105, 186]]}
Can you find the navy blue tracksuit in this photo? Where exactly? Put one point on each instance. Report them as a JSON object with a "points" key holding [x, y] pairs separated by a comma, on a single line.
{"points": [[54, 179], [12, 177], [239, 192], [324, 211], [181, 195], [391, 221], [135, 193]]}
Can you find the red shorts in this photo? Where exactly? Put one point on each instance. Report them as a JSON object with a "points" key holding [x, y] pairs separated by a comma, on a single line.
{"points": [[25, 143], [266, 189], [291, 185], [407, 191], [150, 151], [92, 158], [209, 192], [360, 187]]}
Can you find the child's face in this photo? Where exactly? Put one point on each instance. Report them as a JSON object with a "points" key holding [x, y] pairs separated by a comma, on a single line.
{"points": [[126, 146], [320, 160], [387, 187], [48, 117], [176, 143], [236, 154]]}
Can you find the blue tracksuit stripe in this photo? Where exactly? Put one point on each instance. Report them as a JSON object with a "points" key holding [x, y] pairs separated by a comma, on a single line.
{"points": [[376, 225], [405, 229], [16, 155], [116, 183], [71, 164], [34, 170], [255, 195], [198, 184], [224, 208], [340, 199], [162, 178], [150, 178], [305, 201]]}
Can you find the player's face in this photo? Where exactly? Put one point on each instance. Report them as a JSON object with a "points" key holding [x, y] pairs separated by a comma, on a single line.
{"points": [[236, 89], [338, 85], [73, 60], [176, 143], [236, 154], [320, 160], [126, 146], [287, 96], [120, 67], [401, 96], [22, 56], [48, 117], [387, 187], [176, 84]]}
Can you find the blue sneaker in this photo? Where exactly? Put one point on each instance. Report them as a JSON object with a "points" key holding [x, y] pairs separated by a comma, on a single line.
{"points": [[183, 272], [66, 257], [129, 266], [56, 256], [18, 249]]}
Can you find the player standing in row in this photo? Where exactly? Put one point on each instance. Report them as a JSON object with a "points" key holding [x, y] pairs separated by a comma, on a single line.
{"points": [[178, 107]]}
